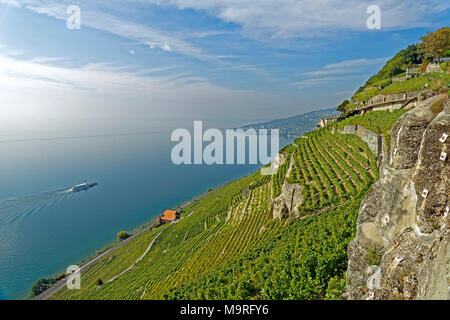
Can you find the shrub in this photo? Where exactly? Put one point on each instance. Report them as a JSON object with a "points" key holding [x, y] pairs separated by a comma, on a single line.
{"points": [[122, 235], [438, 105], [40, 286], [373, 257]]}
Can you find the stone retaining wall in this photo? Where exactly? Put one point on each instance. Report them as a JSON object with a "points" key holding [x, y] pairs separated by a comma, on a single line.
{"points": [[375, 141]]}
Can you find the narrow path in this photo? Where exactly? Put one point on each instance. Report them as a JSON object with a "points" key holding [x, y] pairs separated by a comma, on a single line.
{"points": [[139, 259]]}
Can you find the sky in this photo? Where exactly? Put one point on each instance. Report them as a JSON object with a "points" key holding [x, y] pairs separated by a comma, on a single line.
{"points": [[226, 62]]}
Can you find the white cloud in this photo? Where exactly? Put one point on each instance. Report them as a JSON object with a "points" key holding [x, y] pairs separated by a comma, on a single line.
{"points": [[106, 89], [130, 30], [355, 63], [345, 67], [132, 52], [337, 71], [10, 52], [310, 18], [317, 81], [211, 33], [166, 47], [14, 3]]}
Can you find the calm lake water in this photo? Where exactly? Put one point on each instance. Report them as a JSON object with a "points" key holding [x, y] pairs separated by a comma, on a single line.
{"points": [[44, 229]]}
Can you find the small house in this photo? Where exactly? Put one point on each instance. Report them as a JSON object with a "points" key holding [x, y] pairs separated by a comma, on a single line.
{"points": [[412, 72], [168, 216], [326, 121]]}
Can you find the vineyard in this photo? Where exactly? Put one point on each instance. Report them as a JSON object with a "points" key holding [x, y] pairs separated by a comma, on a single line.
{"points": [[305, 260], [229, 224], [429, 81], [212, 232], [433, 81], [333, 168], [379, 122]]}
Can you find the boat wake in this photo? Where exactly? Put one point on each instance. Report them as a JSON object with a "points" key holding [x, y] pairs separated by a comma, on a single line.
{"points": [[14, 209]]}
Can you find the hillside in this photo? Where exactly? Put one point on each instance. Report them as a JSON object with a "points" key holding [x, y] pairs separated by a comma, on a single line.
{"points": [[233, 223], [418, 68], [294, 126], [287, 236]]}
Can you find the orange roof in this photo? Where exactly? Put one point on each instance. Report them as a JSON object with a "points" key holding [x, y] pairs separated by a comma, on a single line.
{"points": [[169, 215]]}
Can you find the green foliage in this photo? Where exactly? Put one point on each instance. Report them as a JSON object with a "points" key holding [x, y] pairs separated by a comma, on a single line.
{"points": [[122, 235], [40, 286], [343, 106], [332, 168], [438, 105], [397, 65], [384, 82], [436, 43], [227, 245], [335, 288], [373, 257], [434, 81], [306, 260], [380, 122], [366, 94]]}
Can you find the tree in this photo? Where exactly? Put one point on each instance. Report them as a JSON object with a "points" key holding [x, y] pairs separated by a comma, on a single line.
{"points": [[41, 286], [99, 282], [436, 43], [122, 235], [343, 106]]}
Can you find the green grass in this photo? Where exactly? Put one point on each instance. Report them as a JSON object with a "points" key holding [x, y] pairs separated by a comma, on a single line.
{"points": [[365, 95], [434, 81]]}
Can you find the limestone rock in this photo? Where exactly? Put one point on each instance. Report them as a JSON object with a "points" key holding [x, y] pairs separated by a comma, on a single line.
{"points": [[406, 227], [285, 205]]}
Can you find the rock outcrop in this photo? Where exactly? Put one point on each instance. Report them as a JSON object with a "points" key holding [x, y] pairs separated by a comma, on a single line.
{"points": [[402, 248], [285, 205]]}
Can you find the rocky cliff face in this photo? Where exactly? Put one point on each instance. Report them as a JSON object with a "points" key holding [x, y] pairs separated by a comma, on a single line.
{"points": [[285, 205], [402, 249]]}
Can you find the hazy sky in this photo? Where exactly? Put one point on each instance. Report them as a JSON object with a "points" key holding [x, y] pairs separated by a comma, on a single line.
{"points": [[227, 61]]}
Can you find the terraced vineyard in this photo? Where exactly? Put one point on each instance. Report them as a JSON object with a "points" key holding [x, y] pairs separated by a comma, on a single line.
{"points": [[333, 168], [213, 231], [379, 122], [232, 221]]}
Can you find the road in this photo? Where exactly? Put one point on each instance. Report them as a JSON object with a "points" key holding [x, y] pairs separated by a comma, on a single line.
{"points": [[47, 294]]}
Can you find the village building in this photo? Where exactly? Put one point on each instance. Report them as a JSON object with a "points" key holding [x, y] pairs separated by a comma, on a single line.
{"points": [[412, 72], [168, 216], [439, 60], [326, 121], [433, 67]]}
